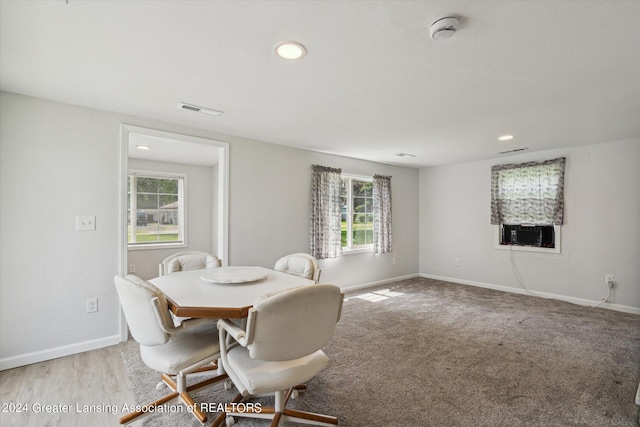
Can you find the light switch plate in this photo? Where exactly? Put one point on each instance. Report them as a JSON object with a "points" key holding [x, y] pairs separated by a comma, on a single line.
{"points": [[85, 223]]}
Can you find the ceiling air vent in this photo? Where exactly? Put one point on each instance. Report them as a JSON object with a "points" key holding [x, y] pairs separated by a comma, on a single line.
{"points": [[514, 151], [203, 110]]}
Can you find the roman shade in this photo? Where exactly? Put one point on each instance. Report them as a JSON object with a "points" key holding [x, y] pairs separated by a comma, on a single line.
{"points": [[528, 193]]}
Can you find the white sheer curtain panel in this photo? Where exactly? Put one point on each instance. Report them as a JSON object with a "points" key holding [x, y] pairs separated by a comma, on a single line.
{"points": [[382, 235], [325, 232]]}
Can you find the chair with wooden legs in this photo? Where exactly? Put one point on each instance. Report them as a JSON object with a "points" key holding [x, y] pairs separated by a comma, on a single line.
{"points": [[174, 351], [279, 349]]}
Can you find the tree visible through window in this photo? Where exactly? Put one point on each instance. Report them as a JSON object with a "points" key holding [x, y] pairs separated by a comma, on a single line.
{"points": [[357, 213], [155, 207]]}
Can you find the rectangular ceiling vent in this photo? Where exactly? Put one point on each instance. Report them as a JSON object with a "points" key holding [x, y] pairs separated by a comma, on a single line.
{"points": [[203, 110], [513, 151]]}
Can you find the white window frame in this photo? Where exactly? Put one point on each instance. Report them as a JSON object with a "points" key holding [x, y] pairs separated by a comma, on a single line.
{"points": [[555, 250], [350, 248], [182, 210]]}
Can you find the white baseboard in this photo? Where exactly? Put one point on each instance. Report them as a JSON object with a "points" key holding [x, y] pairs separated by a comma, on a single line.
{"points": [[54, 353], [379, 282], [579, 301]]}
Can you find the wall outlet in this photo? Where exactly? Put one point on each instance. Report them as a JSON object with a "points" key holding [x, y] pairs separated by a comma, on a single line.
{"points": [[609, 280], [92, 305], [458, 262], [132, 268], [393, 260], [85, 223]]}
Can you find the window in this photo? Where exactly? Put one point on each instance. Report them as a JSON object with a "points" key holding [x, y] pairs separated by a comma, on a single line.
{"points": [[155, 209], [349, 213], [527, 203], [356, 204]]}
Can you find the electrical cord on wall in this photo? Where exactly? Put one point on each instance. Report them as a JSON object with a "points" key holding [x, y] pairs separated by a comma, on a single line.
{"points": [[516, 272], [520, 280], [604, 300]]}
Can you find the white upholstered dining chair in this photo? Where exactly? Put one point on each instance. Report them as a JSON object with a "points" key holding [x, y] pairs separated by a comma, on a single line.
{"points": [[300, 264], [173, 351], [188, 260], [280, 349]]}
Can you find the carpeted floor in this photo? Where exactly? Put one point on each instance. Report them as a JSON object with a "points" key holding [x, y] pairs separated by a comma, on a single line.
{"points": [[422, 352]]}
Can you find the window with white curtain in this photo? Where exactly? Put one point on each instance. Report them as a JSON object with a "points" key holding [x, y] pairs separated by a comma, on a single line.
{"points": [[349, 213]]}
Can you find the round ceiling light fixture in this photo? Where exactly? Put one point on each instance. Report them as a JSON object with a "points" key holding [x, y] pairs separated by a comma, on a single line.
{"points": [[443, 28], [290, 50]]}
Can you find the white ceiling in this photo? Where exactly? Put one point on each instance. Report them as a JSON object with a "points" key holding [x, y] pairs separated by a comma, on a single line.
{"points": [[172, 150], [373, 84]]}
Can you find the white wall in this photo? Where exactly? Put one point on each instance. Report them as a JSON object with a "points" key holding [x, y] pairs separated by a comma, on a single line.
{"points": [[201, 216], [58, 161], [601, 234], [273, 188]]}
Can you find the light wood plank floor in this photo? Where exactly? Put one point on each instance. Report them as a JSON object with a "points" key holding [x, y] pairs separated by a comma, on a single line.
{"points": [[95, 379]]}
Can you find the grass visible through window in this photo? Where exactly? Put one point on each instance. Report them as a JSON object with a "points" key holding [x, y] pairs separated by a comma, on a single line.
{"points": [[156, 237]]}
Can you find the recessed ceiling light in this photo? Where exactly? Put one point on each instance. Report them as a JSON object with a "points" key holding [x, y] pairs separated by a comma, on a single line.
{"points": [[405, 155], [290, 50], [143, 147], [505, 138]]}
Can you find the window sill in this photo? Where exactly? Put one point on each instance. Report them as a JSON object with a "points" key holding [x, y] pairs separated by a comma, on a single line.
{"points": [[346, 251], [528, 249], [153, 246]]}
